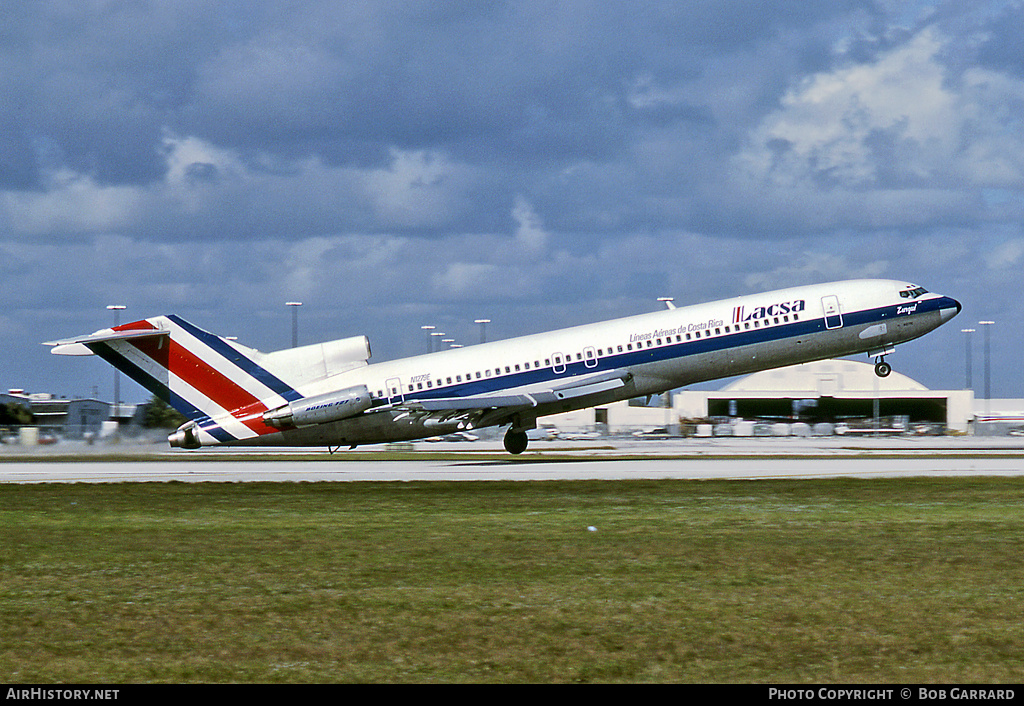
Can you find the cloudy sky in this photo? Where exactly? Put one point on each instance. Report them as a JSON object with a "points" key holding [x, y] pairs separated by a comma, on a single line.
{"points": [[538, 163]]}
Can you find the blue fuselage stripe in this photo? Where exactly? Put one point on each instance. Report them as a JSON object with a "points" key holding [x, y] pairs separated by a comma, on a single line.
{"points": [[676, 350]]}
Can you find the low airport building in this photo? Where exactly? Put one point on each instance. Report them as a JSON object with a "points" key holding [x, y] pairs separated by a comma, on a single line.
{"points": [[70, 418], [835, 392]]}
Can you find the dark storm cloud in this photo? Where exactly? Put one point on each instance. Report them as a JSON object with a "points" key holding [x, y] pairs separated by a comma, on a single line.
{"points": [[91, 84], [520, 85], [428, 117]]}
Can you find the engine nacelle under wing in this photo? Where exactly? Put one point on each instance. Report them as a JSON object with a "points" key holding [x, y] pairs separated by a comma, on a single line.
{"points": [[329, 407]]}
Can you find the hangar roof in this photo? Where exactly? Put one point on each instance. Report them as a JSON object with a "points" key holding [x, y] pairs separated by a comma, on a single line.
{"points": [[824, 376]]}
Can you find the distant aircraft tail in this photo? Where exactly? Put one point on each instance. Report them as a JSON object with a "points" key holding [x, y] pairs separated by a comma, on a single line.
{"points": [[223, 387]]}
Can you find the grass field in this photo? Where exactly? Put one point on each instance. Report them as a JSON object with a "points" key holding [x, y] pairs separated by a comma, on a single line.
{"points": [[686, 581]]}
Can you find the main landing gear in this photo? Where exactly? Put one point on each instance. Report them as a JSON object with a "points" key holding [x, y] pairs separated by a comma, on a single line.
{"points": [[515, 441]]}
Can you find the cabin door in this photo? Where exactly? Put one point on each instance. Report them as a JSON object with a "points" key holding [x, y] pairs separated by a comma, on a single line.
{"points": [[833, 316], [394, 391], [558, 363]]}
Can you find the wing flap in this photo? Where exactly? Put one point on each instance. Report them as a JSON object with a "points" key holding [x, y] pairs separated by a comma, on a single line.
{"points": [[481, 402]]}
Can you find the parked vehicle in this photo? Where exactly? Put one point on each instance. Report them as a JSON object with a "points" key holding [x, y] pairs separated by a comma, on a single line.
{"points": [[656, 433]]}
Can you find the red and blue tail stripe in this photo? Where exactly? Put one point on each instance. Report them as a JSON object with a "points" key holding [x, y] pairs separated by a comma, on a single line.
{"points": [[222, 387], [221, 347]]}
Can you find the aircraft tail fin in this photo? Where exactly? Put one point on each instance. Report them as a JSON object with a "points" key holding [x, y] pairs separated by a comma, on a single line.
{"points": [[220, 385]]}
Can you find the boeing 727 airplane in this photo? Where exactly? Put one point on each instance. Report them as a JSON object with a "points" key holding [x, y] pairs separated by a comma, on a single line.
{"points": [[328, 394]]}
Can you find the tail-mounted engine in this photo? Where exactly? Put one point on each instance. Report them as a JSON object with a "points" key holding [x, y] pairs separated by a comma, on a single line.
{"points": [[329, 407], [185, 437]]}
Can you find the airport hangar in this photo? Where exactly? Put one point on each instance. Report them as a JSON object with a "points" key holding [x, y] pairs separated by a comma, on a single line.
{"points": [[827, 390]]}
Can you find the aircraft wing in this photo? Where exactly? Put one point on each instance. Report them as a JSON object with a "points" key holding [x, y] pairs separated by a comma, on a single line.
{"points": [[579, 386], [489, 409]]}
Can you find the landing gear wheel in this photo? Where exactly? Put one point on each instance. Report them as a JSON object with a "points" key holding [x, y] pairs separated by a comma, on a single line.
{"points": [[882, 369], [516, 441]]}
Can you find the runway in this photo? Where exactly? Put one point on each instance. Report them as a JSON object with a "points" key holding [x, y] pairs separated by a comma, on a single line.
{"points": [[595, 465]]}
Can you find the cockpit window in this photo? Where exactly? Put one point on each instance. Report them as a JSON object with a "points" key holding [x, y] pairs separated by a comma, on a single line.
{"points": [[913, 292]]}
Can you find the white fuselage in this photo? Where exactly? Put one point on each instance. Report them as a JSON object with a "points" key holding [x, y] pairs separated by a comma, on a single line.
{"points": [[648, 353]]}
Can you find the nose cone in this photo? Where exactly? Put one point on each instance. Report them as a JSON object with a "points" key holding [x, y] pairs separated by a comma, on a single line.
{"points": [[950, 307]]}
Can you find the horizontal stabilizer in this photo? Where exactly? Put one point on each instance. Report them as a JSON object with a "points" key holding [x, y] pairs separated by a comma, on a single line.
{"points": [[79, 344]]}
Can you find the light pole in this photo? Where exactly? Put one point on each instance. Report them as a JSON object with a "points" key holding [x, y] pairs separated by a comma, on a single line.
{"points": [[437, 334], [117, 309], [483, 328], [430, 341], [988, 377], [967, 357], [667, 301], [295, 322]]}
